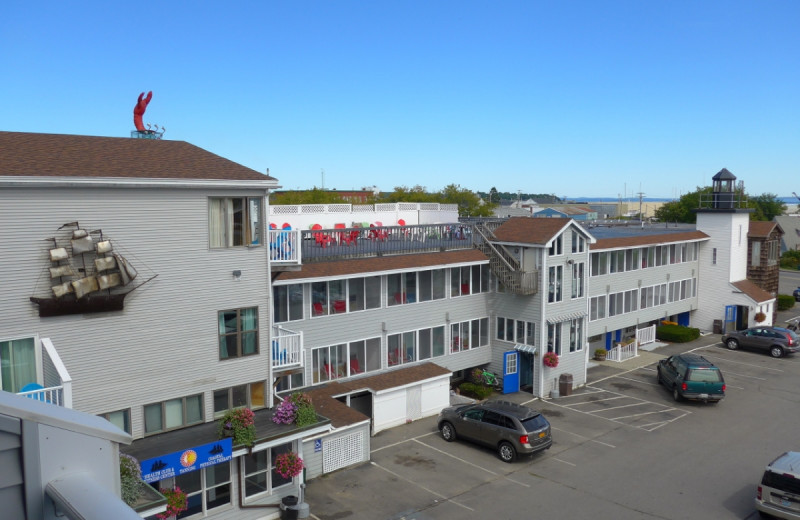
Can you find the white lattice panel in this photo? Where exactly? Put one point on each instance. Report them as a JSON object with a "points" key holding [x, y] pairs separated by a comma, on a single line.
{"points": [[385, 207], [283, 210], [339, 208], [312, 208], [342, 451], [407, 206], [429, 206]]}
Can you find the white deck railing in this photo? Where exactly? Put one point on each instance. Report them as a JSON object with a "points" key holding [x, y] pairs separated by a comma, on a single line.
{"points": [[59, 394], [646, 335], [287, 348], [623, 352], [284, 246]]}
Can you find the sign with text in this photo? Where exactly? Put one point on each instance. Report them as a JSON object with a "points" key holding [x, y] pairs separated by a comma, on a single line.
{"points": [[180, 462]]}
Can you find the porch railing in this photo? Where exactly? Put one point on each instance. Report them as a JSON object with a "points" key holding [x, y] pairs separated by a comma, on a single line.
{"points": [[287, 348], [646, 335], [58, 383], [284, 246], [623, 352]]}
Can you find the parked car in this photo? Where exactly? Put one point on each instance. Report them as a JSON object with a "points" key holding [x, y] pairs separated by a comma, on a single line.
{"points": [[796, 294], [778, 341], [509, 428], [778, 494], [690, 376]]}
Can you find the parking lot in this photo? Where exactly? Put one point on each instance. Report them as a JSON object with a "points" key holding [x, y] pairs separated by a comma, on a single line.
{"points": [[622, 449]]}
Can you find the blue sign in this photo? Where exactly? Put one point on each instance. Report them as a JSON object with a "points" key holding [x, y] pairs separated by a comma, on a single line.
{"points": [[181, 462], [318, 445]]}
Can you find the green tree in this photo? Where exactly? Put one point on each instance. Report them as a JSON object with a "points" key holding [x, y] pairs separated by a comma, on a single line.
{"points": [[494, 197], [682, 210], [469, 203], [767, 206], [406, 194]]}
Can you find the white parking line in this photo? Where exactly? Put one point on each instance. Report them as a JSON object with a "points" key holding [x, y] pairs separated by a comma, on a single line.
{"points": [[740, 362], [565, 462], [640, 403], [639, 381], [644, 413], [397, 475], [596, 401], [453, 456], [376, 450]]}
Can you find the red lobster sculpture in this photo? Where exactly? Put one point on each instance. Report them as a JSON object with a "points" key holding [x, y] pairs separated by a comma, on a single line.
{"points": [[138, 110]]}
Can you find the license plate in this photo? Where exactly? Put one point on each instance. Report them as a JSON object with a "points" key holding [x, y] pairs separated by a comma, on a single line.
{"points": [[703, 396], [785, 503], [542, 435]]}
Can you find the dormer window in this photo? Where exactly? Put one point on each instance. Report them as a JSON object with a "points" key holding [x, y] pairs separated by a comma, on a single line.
{"points": [[556, 246]]}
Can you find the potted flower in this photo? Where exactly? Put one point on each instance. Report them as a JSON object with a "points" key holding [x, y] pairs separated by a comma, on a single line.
{"points": [[550, 359], [600, 354], [295, 409], [238, 423], [289, 464], [176, 502]]}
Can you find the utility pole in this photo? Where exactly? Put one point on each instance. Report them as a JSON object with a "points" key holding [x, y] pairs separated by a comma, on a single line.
{"points": [[641, 217]]}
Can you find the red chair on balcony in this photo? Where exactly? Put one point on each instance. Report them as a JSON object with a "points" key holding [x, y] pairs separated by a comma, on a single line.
{"points": [[339, 306], [316, 309], [355, 366]]}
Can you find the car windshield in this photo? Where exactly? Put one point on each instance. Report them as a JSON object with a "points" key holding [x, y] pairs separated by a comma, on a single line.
{"points": [[705, 375], [534, 423]]}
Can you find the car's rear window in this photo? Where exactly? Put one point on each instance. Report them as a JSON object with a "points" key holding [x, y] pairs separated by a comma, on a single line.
{"points": [[704, 375], [781, 482], [534, 423]]}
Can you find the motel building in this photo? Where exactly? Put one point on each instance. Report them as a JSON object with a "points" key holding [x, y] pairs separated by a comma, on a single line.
{"points": [[150, 283]]}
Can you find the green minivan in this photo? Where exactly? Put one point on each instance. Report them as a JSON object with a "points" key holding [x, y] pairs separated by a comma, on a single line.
{"points": [[690, 376]]}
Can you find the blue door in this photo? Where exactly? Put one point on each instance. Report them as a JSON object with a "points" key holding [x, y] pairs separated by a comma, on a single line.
{"points": [[730, 318], [510, 372]]}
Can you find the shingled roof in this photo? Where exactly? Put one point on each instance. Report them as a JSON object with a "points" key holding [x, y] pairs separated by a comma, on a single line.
{"points": [[58, 155], [762, 229], [754, 292], [381, 264], [647, 240], [525, 230]]}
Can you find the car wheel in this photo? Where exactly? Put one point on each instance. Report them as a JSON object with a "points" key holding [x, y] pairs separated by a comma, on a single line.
{"points": [[776, 351], [732, 344], [448, 433], [675, 394], [507, 452]]}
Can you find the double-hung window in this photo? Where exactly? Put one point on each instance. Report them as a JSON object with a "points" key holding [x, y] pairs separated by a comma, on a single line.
{"points": [[238, 333], [554, 338], [577, 280], [17, 364], [287, 302], [555, 281], [174, 413], [234, 221]]}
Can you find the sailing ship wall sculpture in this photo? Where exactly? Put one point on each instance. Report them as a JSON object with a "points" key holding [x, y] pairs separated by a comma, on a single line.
{"points": [[86, 274]]}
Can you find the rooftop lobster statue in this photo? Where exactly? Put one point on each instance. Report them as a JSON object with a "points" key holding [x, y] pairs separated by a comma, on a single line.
{"points": [[138, 110]]}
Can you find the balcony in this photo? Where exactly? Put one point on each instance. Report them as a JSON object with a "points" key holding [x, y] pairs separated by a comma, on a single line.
{"points": [[287, 348], [57, 387]]}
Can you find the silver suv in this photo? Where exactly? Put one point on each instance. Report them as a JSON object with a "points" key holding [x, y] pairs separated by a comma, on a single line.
{"points": [[775, 340], [779, 492], [507, 427]]}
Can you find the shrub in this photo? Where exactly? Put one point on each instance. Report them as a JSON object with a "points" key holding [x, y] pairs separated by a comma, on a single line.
{"points": [[130, 476], [677, 333], [242, 422], [476, 391], [785, 302]]}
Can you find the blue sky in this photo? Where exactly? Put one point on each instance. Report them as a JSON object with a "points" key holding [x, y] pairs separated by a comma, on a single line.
{"points": [[574, 98]]}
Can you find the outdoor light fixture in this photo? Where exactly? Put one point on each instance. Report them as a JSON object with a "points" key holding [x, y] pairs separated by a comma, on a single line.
{"points": [[237, 275]]}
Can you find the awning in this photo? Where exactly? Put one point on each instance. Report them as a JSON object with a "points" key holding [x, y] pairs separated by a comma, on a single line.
{"points": [[567, 317], [525, 348]]}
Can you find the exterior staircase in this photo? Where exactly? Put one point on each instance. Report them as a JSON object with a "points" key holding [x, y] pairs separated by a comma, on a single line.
{"points": [[502, 263]]}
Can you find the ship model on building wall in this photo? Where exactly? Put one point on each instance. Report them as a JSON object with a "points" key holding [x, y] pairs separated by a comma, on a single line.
{"points": [[86, 274]]}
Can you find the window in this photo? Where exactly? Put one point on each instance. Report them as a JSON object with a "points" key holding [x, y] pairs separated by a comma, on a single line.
{"points": [[234, 222], [121, 419], [556, 246], [517, 331], [578, 242], [511, 363], [17, 364], [554, 338], [260, 475], [401, 288], [364, 356], [364, 293], [251, 396], [238, 333], [469, 280], [402, 348], [288, 382], [329, 363], [622, 302], [773, 252], [597, 308], [599, 264], [576, 335], [431, 342], [632, 259], [432, 285], [287, 302], [555, 279], [577, 280], [714, 256], [206, 489], [172, 414]]}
